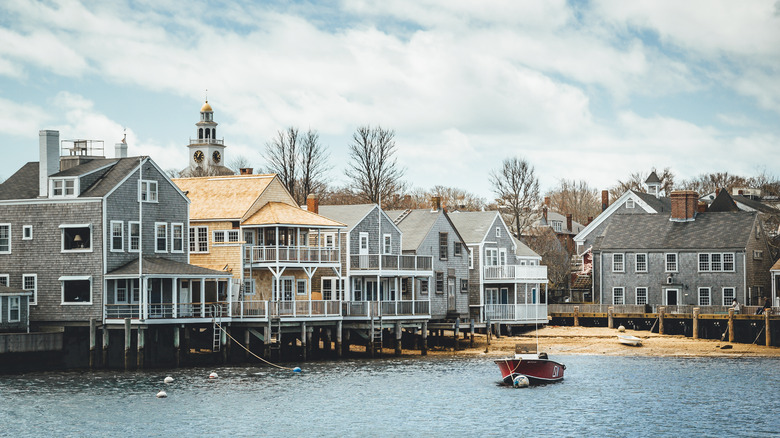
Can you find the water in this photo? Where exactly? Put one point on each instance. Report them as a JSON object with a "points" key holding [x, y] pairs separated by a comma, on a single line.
{"points": [[435, 396]]}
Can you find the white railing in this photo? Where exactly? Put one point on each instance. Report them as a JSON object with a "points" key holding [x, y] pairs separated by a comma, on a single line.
{"points": [[304, 309], [390, 262], [250, 309], [166, 310], [206, 141], [386, 308], [516, 312], [516, 272], [291, 254]]}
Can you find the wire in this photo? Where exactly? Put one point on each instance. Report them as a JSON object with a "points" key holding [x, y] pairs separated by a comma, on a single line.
{"points": [[249, 351]]}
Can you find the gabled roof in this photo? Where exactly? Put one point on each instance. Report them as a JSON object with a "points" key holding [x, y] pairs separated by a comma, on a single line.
{"points": [[162, 266], [416, 224], [776, 266], [473, 226], [660, 205], [281, 213], [21, 185], [715, 231], [351, 215], [723, 202], [223, 197], [649, 203], [752, 204], [87, 168], [523, 250], [112, 177], [539, 221]]}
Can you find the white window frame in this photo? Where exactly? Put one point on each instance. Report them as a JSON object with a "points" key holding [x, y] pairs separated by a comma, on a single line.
{"points": [[8, 227], [7, 278], [363, 237], [666, 262], [62, 238], [491, 256], [25, 229], [710, 264], [498, 231], [557, 226], [733, 295], [121, 236], [126, 288], [709, 296], [630, 203], [758, 254], [618, 266], [61, 185], [65, 278], [471, 258], [622, 295], [502, 260], [425, 286], [174, 226], [145, 191], [18, 308], [225, 236], [298, 282], [158, 236], [464, 282], [34, 290], [703, 260], [732, 262], [130, 236], [199, 235], [457, 250], [329, 240], [387, 243], [636, 296], [636, 262]]}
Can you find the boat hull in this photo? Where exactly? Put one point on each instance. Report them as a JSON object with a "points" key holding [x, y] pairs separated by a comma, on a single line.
{"points": [[630, 340], [537, 370]]}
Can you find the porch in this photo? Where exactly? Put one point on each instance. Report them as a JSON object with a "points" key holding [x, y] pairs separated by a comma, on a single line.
{"points": [[390, 262], [515, 273]]}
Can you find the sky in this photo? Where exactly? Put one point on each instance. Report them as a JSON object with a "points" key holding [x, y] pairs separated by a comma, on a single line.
{"points": [[585, 90]]}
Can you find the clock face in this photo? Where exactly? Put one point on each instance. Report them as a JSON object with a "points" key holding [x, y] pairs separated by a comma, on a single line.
{"points": [[216, 156], [198, 156]]}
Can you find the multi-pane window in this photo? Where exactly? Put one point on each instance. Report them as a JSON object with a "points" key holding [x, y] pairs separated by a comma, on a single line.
{"points": [[4, 280], [120, 293], [177, 236], [30, 283], [443, 246], [464, 285], [716, 262], [117, 236], [617, 263], [641, 263], [387, 244], [502, 256], [704, 262], [5, 238], [148, 191], [223, 236], [423, 286], [134, 230], [728, 262], [557, 226], [13, 309], [704, 296], [439, 282], [61, 188], [671, 262], [618, 296], [300, 287], [491, 256], [199, 239], [161, 237], [641, 295], [457, 250], [728, 296], [471, 259]]}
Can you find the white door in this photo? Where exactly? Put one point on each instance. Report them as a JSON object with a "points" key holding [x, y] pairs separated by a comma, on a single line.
{"points": [[363, 250]]}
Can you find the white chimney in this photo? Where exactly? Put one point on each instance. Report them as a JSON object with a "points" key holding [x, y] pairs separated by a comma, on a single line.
{"points": [[120, 149], [49, 164]]}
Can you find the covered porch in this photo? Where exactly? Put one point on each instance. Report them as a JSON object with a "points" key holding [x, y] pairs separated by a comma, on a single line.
{"points": [[515, 303]]}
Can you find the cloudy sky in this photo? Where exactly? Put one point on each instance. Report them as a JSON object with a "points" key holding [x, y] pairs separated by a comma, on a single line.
{"points": [[589, 90]]}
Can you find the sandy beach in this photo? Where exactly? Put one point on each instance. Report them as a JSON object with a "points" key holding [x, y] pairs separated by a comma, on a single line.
{"points": [[558, 340]]}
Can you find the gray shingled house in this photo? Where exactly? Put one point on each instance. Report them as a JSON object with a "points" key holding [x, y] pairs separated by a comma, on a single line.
{"points": [[681, 258], [507, 284], [14, 308], [430, 232], [100, 238]]}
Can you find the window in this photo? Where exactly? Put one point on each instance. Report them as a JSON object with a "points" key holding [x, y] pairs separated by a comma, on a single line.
{"points": [[148, 191], [728, 296], [439, 282], [76, 237], [502, 256], [5, 238], [498, 231], [716, 262], [76, 290], [387, 247], [423, 286], [704, 262], [330, 240], [300, 287], [63, 188], [464, 285], [120, 292], [557, 226], [641, 263], [491, 256], [471, 259], [629, 203], [249, 286], [177, 237], [13, 309], [704, 296], [27, 232], [30, 283], [457, 250], [617, 263], [758, 254], [728, 262], [671, 262], [117, 235], [617, 295], [641, 295], [161, 237], [443, 246], [223, 236], [199, 239], [134, 230], [364, 243], [357, 289], [4, 280]]}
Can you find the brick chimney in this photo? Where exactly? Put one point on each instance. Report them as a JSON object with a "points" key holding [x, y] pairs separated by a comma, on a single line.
{"points": [[604, 199], [547, 201], [568, 222], [544, 213], [246, 171], [435, 203], [684, 205], [313, 203], [590, 219]]}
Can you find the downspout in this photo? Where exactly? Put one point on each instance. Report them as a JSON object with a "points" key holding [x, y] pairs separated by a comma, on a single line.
{"points": [[744, 278], [601, 276], [105, 260], [141, 288]]}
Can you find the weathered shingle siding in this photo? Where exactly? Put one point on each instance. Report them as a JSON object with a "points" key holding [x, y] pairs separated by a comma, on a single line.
{"points": [[475, 291], [43, 256], [758, 274], [370, 225], [18, 326]]}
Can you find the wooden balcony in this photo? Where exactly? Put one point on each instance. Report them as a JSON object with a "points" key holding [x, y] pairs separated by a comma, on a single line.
{"points": [[515, 274], [301, 255], [516, 313]]}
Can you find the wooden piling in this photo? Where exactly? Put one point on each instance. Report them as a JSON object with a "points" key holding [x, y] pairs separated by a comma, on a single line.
{"points": [[424, 347], [105, 346], [128, 343], [327, 341], [731, 325], [576, 316], [339, 334], [767, 328], [177, 345], [488, 328], [696, 311], [224, 344], [141, 341], [92, 342], [267, 342], [471, 326], [398, 335], [661, 311], [303, 339], [456, 333], [610, 318], [247, 340], [370, 344]]}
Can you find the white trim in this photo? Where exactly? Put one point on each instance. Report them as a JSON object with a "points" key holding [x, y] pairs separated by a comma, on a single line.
{"points": [[69, 226], [50, 201], [7, 279], [622, 296], [194, 244], [709, 296], [10, 248], [130, 236], [157, 226], [723, 295], [76, 187], [18, 308], [24, 229], [666, 295], [622, 262], [173, 237], [34, 300], [121, 237], [636, 262], [583, 234], [65, 278], [148, 191], [387, 243], [636, 295], [305, 288], [676, 262]]}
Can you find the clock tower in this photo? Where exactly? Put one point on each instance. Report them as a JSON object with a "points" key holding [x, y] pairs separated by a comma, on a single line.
{"points": [[207, 153]]}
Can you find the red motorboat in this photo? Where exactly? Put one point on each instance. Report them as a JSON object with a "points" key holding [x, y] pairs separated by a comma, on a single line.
{"points": [[537, 367]]}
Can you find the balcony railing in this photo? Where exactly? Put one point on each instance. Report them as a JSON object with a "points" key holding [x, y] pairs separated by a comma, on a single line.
{"points": [[516, 312], [390, 262], [386, 308], [528, 273], [291, 254], [206, 141], [166, 310]]}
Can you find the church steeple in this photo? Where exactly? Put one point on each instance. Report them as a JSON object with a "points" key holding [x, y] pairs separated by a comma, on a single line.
{"points": [[207, 153]]}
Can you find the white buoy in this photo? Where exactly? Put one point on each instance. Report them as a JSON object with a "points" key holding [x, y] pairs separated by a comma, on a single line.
{"points": [[162, 394], [621, 329], [213, 375], [521, 381], [168, 379]]}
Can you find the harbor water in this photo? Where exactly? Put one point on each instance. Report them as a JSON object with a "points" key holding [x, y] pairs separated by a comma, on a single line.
{"points": [[413, 396]]}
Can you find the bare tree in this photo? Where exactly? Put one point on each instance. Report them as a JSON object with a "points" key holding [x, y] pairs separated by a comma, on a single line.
{"points": [[339, 196], [554, 255], [282, 158], [575, 197], [636, 182], [709, 182], [517, 189], [199, 171], [375, 174], [768, 183], [313, 165], [239, 162], [172, 173]]}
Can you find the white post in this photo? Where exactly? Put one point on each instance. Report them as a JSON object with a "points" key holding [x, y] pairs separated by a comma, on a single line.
{"points": [[202, 297], [175, 297]]}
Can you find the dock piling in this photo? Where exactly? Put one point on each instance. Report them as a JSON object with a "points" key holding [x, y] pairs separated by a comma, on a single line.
{"points": [[398, 335], [424, 347], [128, 343], [105, 346], [576, 316], [731, 325], [767, 328], [339, 334], [92, 342], [177, 345], [471, 324], [303, 339], [141, 342], [456, 333], [610, 318], [661, 311], [695, 323]]}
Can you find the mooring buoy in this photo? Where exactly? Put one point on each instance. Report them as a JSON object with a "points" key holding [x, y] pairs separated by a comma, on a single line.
{"points": [[621, 328], [162, 394], [213, 375], [521, 381], [297, 369], [168, 379]]}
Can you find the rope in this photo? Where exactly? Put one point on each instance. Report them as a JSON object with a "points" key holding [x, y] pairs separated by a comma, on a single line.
{"points": [[250, 351]]}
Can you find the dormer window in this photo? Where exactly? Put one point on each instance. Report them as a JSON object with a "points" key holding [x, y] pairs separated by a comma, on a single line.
{"points": [[557, 226], [63, 187]]}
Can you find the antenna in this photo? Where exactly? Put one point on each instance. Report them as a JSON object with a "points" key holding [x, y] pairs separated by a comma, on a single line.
{"points": [[207, 94]]}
